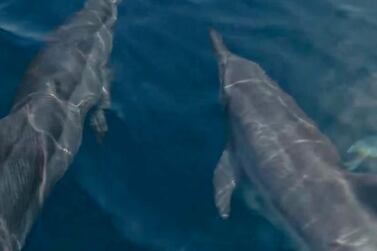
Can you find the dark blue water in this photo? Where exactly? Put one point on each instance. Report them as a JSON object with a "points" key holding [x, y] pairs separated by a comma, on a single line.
{"points": [[149, 185]]}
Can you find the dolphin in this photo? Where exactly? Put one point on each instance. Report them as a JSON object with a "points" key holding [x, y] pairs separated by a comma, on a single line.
{"points": [[294, 168], [43, 131]]}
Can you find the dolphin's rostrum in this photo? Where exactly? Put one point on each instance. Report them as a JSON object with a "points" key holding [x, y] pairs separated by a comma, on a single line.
{"points": [[292, 165], [43, 131]]}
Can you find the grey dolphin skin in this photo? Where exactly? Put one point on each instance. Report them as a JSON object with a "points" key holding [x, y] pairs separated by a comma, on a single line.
{"points": [[42, 133], [293, 167]]}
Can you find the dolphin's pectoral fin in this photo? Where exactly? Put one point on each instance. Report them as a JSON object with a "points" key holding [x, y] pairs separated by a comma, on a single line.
{"points": [[365, 187], [225, 181], [98, 120], [98, 123]]}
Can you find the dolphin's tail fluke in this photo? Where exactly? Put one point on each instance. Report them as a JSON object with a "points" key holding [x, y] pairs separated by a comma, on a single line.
{"points": [[221, 50]]}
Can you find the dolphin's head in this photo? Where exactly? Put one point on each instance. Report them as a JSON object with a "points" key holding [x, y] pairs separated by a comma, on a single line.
{"points": [[234, 70]]}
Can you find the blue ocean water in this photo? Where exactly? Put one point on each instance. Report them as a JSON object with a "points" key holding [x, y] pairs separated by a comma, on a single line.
{"points": [[149, 185]]}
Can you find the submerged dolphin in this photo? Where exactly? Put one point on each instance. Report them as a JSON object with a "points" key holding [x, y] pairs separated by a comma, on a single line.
{"points": [[292, 165], [43, 131]]}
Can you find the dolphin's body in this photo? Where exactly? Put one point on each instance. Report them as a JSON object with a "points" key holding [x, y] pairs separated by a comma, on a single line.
{"points": [[43, 131], [292, 165]]}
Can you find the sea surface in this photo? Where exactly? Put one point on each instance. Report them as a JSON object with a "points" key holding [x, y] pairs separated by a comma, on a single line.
{"points": [[148, 186]]}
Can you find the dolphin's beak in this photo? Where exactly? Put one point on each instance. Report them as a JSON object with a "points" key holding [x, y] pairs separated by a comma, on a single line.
{"points": [[221, 51], [222, 54]]}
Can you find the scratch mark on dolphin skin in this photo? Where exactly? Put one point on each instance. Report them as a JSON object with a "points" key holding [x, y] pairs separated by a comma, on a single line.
{"points": [[51, 94], [310, 223], [345, 241], [101, 41], [299, 183], [251, 81], [243, 81], [308, 124], [30, 117], [95, 14], [293, 144], [42, 187], [231, 184]]}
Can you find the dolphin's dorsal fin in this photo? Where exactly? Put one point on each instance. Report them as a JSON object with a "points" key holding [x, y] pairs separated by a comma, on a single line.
{"points": [[365, 187], [225, 180]]}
